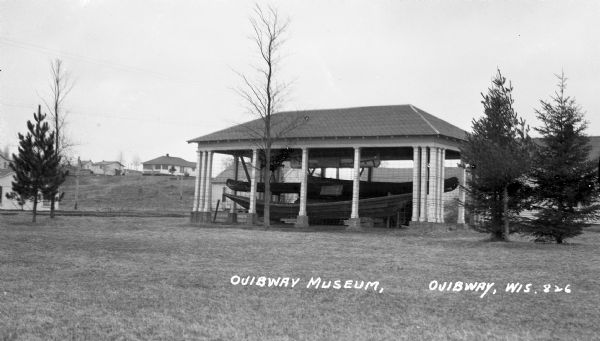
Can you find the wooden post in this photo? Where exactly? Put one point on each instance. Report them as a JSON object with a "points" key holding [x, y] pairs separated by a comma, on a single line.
{"points": [[216, 211], [389, 218], [245, 169], [76, 182], [236, 165]]}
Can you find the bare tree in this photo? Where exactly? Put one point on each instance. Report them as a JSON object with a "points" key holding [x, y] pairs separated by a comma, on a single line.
{"points": [[264, 94], [60, 87], [121, 160], [136, 161], [77, 173]]}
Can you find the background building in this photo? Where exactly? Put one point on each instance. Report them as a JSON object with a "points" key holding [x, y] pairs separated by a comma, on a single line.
{"points": [[164, 165]]}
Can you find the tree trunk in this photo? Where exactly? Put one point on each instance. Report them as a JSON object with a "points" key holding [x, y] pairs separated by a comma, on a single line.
{"points": [[52, 207], [505, 212], [34, 211], [267, 181], [76, 188], [180, 187]]}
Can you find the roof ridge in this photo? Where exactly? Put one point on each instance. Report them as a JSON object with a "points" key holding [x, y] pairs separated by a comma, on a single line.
{"points": [[424, 119], [343, 108]]}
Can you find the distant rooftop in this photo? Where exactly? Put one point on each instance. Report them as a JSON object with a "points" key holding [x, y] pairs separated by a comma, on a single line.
{"points": [[170, 160], [102, 163], [5, 172], [394, 120]]}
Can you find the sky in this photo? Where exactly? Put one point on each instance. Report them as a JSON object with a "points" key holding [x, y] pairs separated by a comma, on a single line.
{"points": [[149, 75]]}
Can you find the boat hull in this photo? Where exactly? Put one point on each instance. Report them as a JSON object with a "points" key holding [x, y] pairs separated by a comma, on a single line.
{"points": [[319, 188], [379, 207]]}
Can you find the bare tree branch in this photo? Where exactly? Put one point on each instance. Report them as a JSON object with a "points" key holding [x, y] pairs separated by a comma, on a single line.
{"points": [[263, 96]]}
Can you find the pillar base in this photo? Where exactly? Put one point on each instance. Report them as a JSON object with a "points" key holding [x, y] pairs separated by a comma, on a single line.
{"points": [[194, 217], [205, 217], [357, 224], [251, 218], [200, 217], [231, 218], [301, 221]]}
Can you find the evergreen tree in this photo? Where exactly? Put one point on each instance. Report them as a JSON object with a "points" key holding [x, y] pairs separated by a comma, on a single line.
{"points": [[54, 176], [32, 165], [497, 152], [566, 178]]}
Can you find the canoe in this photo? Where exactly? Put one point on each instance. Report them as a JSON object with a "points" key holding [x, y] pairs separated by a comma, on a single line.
{"points": [[379, 207], [339, 189]]}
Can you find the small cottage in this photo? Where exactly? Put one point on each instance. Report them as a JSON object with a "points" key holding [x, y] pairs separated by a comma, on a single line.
{"points": [[168, 165]]}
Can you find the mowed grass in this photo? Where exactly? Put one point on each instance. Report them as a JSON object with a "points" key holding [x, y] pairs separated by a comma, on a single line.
{"points": [[139, 193], [139, 279]]}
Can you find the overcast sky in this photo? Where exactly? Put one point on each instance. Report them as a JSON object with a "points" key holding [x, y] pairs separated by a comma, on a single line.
{"points": [[150, 75]]}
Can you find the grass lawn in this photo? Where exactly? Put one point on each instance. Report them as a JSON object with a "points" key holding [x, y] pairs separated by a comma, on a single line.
{"points": [[164, 193], [131, 278]]}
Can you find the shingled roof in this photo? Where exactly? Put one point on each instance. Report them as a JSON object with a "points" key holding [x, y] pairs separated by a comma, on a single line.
{"points": [[170, 160], [396, 120]]}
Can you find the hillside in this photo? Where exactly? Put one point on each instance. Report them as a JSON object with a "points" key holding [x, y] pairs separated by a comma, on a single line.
{"points": [[129, 193]]}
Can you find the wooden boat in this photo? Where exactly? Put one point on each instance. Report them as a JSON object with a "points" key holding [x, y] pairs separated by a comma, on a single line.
{"points": [[334, 188], [379, 207]]}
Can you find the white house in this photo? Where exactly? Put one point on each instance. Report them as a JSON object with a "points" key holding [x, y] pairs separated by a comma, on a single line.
{"points": [[6, 178], [106, 167], [169, 165], [4, 161]]}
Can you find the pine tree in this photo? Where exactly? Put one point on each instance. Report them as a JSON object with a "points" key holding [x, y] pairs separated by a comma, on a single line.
{"points": [[54, 176], [32, 165], [566, 179], [497, 152]]}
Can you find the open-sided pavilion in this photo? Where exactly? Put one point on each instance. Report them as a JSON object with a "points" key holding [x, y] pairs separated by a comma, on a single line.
{"points": [[336, 138]]}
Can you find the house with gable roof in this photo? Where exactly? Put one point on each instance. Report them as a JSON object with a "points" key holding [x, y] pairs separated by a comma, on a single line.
{"points": [[168, 165]]}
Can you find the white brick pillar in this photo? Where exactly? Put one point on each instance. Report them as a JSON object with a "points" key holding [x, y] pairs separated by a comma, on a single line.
{"points": [[416, 184], [461, 194], [302, 219], [202, 197], [253, 184], [433, 185], [355, 184], [197, 185], [441, 186], [208, 188], [423, 196], [304, 182]]}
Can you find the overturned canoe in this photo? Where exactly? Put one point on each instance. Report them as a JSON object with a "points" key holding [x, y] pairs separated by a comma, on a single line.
{"points": [[379, 207]]}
